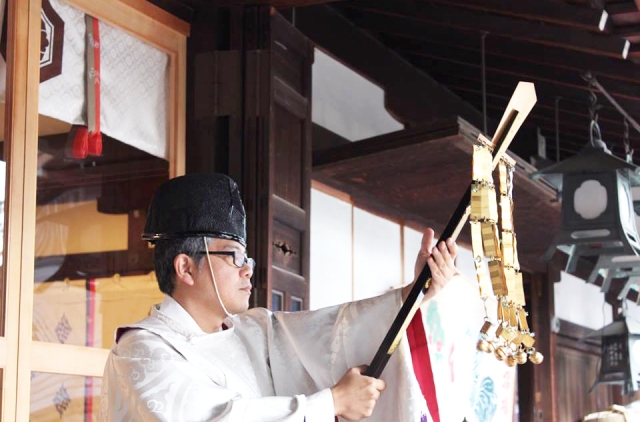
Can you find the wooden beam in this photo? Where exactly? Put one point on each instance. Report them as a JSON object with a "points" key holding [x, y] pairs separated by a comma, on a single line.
{"points": [[628, 31], [103, 264], [558, 13], [177, 8], [506, 48], [634, 53], [621, 8], [410, 94], [68, 359], [380, 144], [544, 87], [525, 70], [498, 97], [412, 14], [573, 102], [571, 110]]}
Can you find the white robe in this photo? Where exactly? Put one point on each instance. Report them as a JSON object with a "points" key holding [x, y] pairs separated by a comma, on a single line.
{"points": [[265, 367]]}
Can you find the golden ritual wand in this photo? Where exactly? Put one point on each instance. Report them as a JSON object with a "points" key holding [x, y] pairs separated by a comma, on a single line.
{"points": [[520, 104]]}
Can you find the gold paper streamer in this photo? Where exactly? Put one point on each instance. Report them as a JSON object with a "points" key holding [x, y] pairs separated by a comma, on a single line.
{"points": [[513, 342]]}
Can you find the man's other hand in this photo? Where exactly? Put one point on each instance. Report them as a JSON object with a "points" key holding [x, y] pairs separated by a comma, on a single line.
{"points": [[441, 261], [355, 395]]}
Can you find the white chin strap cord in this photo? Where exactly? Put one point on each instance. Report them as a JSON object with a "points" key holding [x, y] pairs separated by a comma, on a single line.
{"points": [[213, 277]]}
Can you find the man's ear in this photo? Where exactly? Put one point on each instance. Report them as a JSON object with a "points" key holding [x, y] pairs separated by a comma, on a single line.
{"points": [[183, 266]]}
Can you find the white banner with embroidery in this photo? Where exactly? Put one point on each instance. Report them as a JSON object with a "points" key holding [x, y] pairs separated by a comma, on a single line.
{"points": [[134, 82]]}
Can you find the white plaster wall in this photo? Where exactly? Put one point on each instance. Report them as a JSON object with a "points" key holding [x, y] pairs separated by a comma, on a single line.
{"points": [[377, 256], [580, 303], [346, 103], [633, 310], [345, 269], [331, 256], [412, 241]]}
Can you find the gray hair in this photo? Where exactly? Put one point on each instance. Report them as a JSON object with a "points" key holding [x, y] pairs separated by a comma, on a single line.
{"points": [[166, 251]]}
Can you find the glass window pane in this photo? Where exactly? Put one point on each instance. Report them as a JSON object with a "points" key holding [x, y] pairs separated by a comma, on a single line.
{"points": [[277, 300], [296, 304], [93, 272], [70, 398]]}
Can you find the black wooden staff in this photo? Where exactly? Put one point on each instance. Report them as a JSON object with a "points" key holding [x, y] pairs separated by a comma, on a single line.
{"points": [[519, 106]]}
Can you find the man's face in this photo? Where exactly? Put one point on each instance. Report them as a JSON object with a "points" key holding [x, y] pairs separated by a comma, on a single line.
{"points": [[234, 283]]}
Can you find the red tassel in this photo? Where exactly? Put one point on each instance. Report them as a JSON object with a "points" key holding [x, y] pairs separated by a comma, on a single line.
{"points": [[78, 142], [95, 143]]}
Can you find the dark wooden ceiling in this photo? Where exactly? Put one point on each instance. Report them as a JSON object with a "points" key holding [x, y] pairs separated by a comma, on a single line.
{"points": [[417, 176], [548, 42]]}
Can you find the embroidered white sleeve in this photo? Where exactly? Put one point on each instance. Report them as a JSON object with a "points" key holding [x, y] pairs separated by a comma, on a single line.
{"points": [[147, 380]]}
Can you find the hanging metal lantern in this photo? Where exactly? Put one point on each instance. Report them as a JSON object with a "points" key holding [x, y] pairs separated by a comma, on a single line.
{"points": [[620, 348], [598, 215]]}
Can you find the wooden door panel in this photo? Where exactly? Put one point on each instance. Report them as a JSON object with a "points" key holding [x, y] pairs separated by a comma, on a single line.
{"points": [[286, 247], [291, 146], [274, 157], [576, 372], [288, 156]]}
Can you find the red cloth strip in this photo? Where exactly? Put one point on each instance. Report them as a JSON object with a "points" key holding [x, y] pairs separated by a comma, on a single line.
{"points": [[422, 364], [95, 137], [91, 318]]}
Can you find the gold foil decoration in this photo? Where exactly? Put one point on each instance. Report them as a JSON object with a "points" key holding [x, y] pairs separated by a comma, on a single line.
{"points": [[490, 241], [506, 214], [484, 282], [513, 317], [486, 327], [522, 316], [482, 159], [493, 237], [496, 272]]}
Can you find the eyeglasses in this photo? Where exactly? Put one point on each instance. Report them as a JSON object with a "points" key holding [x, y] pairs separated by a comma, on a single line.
{"points": [[239, 259]]}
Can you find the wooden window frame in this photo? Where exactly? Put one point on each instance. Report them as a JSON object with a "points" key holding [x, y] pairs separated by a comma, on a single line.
{"points": [[19, 353]]}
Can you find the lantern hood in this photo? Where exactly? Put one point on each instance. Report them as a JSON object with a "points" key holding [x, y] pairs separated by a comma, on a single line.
{"points": [[591, 159], [616, 328]]}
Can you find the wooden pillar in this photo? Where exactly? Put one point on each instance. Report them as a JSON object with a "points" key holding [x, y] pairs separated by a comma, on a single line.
{"points": [[538, 381], [250, 117]]}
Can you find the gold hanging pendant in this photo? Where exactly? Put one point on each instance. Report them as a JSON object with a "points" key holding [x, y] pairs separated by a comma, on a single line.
{"points": [[493, 238]]}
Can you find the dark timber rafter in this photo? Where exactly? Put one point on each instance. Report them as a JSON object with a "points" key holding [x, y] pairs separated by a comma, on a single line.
{"points": [[555, 12], [526, 70], [413, 13], [506, 49], [622, 8], [545, 88]]}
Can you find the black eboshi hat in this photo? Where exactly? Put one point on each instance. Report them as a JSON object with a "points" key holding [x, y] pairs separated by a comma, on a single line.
{"points": [[196, 205]]}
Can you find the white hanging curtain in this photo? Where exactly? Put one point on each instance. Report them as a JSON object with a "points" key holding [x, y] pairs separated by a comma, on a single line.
{"points": [[134, 84]]}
